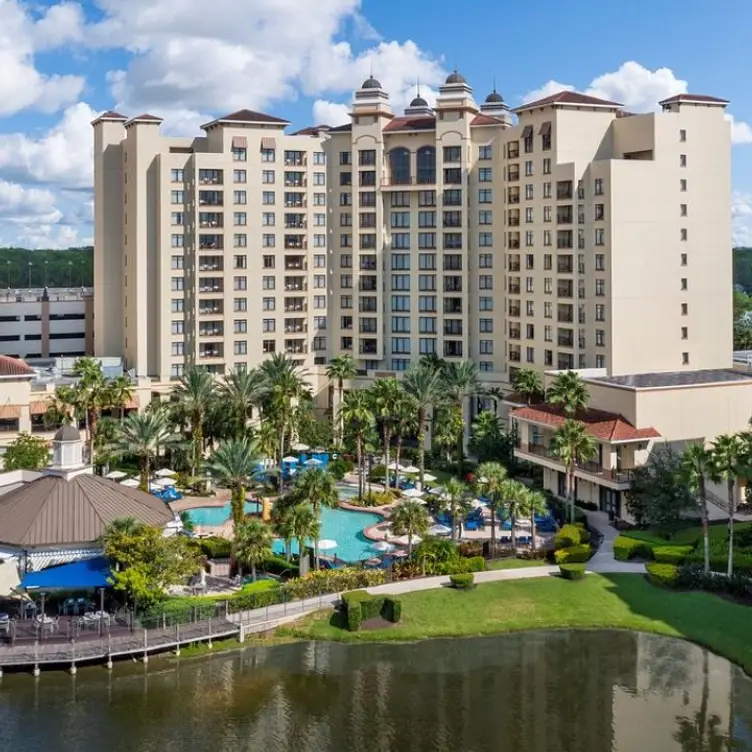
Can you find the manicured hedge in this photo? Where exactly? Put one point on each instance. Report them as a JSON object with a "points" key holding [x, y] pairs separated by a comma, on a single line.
{"points": [[215, 548], [392, 609], [573, 554], [361, 606], [354, 613], [671, 554], [630, 548], [662, 574], [572, 571], [569, 535], [462, 581]]}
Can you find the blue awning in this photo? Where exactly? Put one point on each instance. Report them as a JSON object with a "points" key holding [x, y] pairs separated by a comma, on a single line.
{"points": [[86, 574]]}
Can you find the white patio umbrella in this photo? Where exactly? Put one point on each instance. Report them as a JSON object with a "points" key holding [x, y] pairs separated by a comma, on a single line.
{"points": [[438, 491], [290, 459], [313, 461], [440, 530], [412, 493], [130, 483], [382, 546], [413, 500], [429, 478], [164, 482], [395, 466], [116, 475], [300, 447], [165, 472], [411, 469], [477, 503], [402, 540], [326, 544]]}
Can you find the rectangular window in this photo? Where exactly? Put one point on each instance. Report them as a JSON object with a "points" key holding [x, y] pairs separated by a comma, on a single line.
{"points": [[268, 219], [485, 175], [485, 152], [267, 283], [239, 197], [268, 325], [177, 305], [239, 176], [239, 304], [240, 283], [240, 262], [485, 239], [485, 261], [485, 282], [240, 240], [598, 187], [177, 176], [177, 284], [268, 155], [240, 326], [485, 326], [682, 160], [177, 241], [485, 196], [485, 217], [240, 219], [268, 241], [267, 177], [177, 349], [452, 154], [268, 304], [176, 262], [177, 197], [485, 304]]}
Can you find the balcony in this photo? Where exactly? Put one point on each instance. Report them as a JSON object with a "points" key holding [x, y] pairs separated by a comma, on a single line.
{"points": [[295, 201], [211, 242], [295, 264], [296, 305], [514, 289], [210, 219], [514, 244], [295, 243], [295, 159], [213, 330], [210, 177], [564, 314], [513, 198], [565, 340], [210, 198], [211, 286], [210, 264], [423, 178], [564, 265], [295, 180], [515, 332], [564, 215], [565, 290], [211, 310], [295, 347], [564, 190], [209, 352], [514, 312], [513, 151], [295, 222], [513, 174], [514, 356], [564, 239], [514, 266], [296, 284], [296, 326]]}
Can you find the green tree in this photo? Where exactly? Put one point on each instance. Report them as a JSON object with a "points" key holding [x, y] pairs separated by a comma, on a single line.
{"points": [[573, 446], [726, 463], [194, 391], [529, 384], [660, 494], [460, 380], [253, 544], [341, 368], [696, 467], [568, 391], [242, 390], [386, 398], [489, 477], [305, 525], [26, 452], [141, 434], [234, 462], [317, 487], [456, 492], [405, 424], [512, 501], [411, 519], [487, 438], [423, 382], [533, 503], [449, 429], [358, 419]]}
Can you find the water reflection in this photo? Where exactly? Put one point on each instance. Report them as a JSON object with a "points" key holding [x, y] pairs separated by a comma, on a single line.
{"points": [[556, 691]]}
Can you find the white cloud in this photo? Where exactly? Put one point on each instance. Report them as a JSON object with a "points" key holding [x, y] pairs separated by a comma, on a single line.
{"points": [[638, 89], [20, 205], [330, 113], [741, 213], [22, 86]]}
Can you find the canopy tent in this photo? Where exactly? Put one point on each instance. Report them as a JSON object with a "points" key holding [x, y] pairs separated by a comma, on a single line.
{"points": [[9, 579], [116, 475], [164, 482], [87, 574], [130, 483]]}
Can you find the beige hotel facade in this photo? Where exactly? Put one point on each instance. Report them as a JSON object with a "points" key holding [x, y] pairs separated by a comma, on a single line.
{"points": [[563, 234]]}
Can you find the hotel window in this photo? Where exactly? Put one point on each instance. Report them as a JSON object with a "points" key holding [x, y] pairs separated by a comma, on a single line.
{"points": [[400, 198], [177, 305], [682, 135], [345, 240], [485, 304], [485, 261], [485, 326], [239, 176], [600, 361], [400, 219], [485, 175], [426, 240], [177, 284], [240, 219], [319, 220], [684, 309], [319, 158], [685, 332], [685, 358], [529, 168], [240, 348], [401, 324], [319, 199], [547, 190], [548, 310], [529, 192], [177, 197], [177, 349], [485, 152], [268, 241], [268, 325], [485, 346], [600, 212], [530, 354], [548, 261], [547, 237], [319, 178], [485, 365], [529, 331], [427, 282], [682, 210], [547, 214], [683, 234], [400, 261], [600, 312], [683, 283], [485, 282], [267, 176], [682, 185], [240, 304], [177, 241], [529, 261], [319, 322], [485, 217], [177, 218], [345, 178], [529, 308], [345, 158], [345, 261], [529, 215], [177, 176], [240, 283], [319, 301], [682, 160], [600, 262], [426, 346], [345, 281], [427, 261], [239, 154], [485, 239], [683, 258], [268, 155], [600, 338], [239, 197], [548, 286], [547, 166], [427, 325], [452, 154], [241, 262], [319, 281], [600, 235], [240, 240], [267, 219], [529, 239], [426, 198], [176, 262], [345, 302], [425, 219], [485, 196], [598, 187], [319, 261], [240, 326], [400, 302], [268, 304]]}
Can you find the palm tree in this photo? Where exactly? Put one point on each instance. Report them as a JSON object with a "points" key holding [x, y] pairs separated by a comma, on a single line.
{"points": [[243, 390], [460, 380], [318, 488], [456, 495], [304, 525], [285, 385], [568, 391], [282, 525], [386, 396], [528, 383], [405, 424], [120, 528], [511, 497], [696, 465], [253, 544], [141, 434], [193, 391], [341, 368], [356, 415], [422, 382], [726, 461], [410, 518], [533, 503], [488, 479], [234, 462], [572, 445]]}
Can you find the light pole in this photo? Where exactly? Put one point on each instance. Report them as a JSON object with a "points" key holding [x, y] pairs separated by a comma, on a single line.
{"points": [[30, 265], [7, 266], [45, 272], [70, 274]]}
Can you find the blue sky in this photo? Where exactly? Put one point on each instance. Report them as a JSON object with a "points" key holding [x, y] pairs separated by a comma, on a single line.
{"points": [[63, 62]]}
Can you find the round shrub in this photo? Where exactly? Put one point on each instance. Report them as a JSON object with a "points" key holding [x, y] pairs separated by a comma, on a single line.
{"points": [[462, 581], [572, 571], [573, 554], [630, 548], [354, 616], [665, 575], [392, 609], [569, 535], [671, 554]]}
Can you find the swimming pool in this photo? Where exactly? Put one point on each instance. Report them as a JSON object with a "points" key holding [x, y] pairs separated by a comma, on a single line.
{"points": [[341, 525], [347, 492]]}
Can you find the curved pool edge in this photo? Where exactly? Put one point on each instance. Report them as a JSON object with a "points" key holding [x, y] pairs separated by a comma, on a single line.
{"points": [[371, 532]]}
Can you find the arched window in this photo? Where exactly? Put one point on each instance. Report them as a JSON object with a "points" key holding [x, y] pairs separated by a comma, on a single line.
{"points": [[399, 163], [427, 164]]}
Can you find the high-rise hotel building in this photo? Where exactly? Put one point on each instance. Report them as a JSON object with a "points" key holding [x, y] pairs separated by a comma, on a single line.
{"points": [[572, 236]]}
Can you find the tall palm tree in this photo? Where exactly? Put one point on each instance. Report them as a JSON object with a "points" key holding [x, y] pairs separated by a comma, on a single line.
{"points": [[120, 528], [568, 391], [386, 397], [410, 518], [142, 434], [282, 525], [233, 463], [305, 525], [460, 380], [317, 487], [528, 383], [456, 496], [341, 368], [243, 390], [533, 503], [405, 424], [357, 418], [285, 385], [193, 391], [488, 479], [422, 381], [572, 445], [512, 500], [726, 462], [696, 466], [253, 544]]}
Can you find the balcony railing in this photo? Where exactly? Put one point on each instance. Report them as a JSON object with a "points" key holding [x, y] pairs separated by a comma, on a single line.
{"points": [[539, 449], [565, 341]]}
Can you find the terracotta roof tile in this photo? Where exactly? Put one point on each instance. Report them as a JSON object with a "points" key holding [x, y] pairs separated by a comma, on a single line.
{"points": [[694, 98], [146, 116], [247, 116], [109, 115], [604, 426], [341, 128], [485, 120], [568, 97], [311, 130], [412, 123], [14, 367]]}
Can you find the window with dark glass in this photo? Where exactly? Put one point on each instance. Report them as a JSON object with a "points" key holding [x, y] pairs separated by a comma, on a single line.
{"points": [[399, 164], [426, 158]]}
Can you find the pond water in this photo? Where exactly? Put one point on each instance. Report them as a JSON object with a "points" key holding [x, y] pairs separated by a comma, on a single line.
{"points": [[589, 691]]}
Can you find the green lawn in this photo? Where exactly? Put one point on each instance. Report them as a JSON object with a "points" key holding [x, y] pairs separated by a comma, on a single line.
{"points": [[687, 535], [623, 601], [515, 563]]}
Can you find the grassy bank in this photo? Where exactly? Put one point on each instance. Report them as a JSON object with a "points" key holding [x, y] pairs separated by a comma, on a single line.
{"points": [[622, 601], [515, 563]]}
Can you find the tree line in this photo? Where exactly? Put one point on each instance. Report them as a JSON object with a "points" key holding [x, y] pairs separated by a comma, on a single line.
{"points": [[22, 268]]}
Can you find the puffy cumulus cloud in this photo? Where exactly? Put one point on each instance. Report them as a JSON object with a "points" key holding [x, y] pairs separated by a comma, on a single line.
{"points": [[638, 89], [22, 86], [60, 156], [330, 113], [25, 205], [56, 236], [741, 213]]}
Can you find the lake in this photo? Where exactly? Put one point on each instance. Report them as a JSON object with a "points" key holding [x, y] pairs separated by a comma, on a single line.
{"points": [[582, 691]]}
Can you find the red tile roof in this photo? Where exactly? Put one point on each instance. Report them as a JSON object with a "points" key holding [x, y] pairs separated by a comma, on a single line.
{"points": [[412, 123], [604, 426], [486, 120], [693, 98], [14, 367], [568, 97], [146, 117], [109, 115], [247, 116], [311, 130]]}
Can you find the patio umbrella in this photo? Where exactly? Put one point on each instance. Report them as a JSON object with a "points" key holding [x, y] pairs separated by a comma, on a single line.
{"points": [[164, 482], [300, 447], [438, 491], [290, 459], [440, 530], [412, 493], [382, 546], [326, 544], [116, 475], [130, 483], [477, 503], [411, 469], [165, 472], [414, 501], [402, 540], [313, 461], [429, 478], [396, 466]]}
